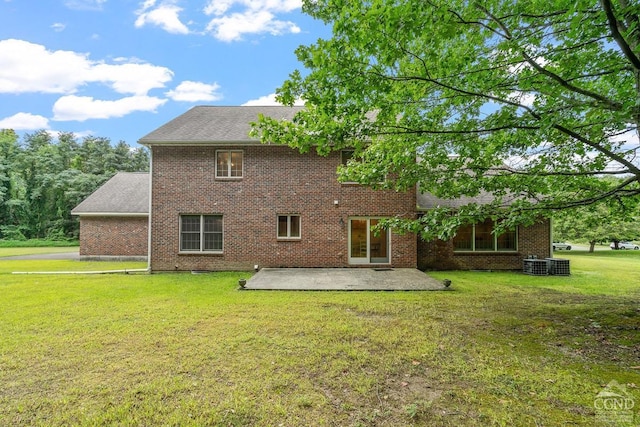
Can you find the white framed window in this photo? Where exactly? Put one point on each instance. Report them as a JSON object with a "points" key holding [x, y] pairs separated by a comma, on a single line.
{"points": [[288, 226], [481, 238], [201, 233], [229, 163]]}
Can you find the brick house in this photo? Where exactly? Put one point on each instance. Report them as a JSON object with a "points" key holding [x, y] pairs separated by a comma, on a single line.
{"points": [[114, 219], [221, 200]]}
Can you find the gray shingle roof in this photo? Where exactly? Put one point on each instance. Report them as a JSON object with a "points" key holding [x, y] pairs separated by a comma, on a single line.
{"points": [[209, 124], [428, 201], [126, 193]]}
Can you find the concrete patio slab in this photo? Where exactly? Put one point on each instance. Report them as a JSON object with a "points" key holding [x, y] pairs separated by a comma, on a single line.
{"points": [[343, 279]]}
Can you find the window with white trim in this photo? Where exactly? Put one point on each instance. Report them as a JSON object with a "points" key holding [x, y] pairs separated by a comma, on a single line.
{"points": [[481, 238], [229, 163], [288, 226], [201, 233]]}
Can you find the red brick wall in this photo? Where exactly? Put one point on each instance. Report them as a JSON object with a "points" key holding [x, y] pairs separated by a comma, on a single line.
{"points": [[113, 236], [277, 180], [439, 255]]}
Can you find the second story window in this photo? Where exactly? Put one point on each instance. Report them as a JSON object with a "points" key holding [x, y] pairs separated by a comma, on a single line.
{"points": [[229, 164]]}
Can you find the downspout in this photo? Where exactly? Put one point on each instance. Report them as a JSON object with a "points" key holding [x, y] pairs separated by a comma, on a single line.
{"points": [[150, 210], [551, 237]]}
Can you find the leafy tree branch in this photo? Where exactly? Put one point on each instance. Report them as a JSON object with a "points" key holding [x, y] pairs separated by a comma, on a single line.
{"points": [[533, 102]]}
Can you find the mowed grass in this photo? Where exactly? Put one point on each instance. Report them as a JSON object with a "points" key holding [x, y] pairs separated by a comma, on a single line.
{"points": [[500, 349]]}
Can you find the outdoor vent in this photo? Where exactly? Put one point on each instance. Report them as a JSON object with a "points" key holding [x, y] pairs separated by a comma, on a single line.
{"points": [[558, 267], [545, 267], [535, 267]]}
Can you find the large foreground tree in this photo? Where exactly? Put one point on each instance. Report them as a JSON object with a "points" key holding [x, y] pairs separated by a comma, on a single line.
{"points": [[533, 100]]}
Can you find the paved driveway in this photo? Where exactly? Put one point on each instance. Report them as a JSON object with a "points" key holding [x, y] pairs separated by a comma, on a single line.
{"points": [[59, 255], [343, 279]]}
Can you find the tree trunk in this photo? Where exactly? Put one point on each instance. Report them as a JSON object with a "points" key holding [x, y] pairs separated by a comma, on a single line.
{"points": [[592, 246]]}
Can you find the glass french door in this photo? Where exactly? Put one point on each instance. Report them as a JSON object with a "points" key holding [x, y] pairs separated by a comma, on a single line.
{"points": [[365, 245]]}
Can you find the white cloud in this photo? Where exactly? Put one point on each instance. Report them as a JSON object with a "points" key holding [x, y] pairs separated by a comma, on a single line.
{"points": [[24, 121], [232, 27], [81, 108], [165, 16], [58, 27], [230, 19], [220, 7], [234, 18], [132, 78], [269, 100], [29, 67], [628, 140], [189, 91], [523, 98]]}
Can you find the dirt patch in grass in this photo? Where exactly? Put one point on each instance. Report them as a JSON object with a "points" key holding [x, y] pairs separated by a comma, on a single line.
{"points": [[602, 328]]}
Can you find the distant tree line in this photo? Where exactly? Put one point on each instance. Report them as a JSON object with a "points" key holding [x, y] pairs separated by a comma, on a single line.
{"points": [[43, 177]]}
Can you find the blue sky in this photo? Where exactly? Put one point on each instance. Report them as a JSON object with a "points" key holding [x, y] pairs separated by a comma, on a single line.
{"points": [[121, 68]]}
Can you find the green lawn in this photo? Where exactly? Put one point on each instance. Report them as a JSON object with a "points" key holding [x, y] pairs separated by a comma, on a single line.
{"points": [[501, 349]]}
